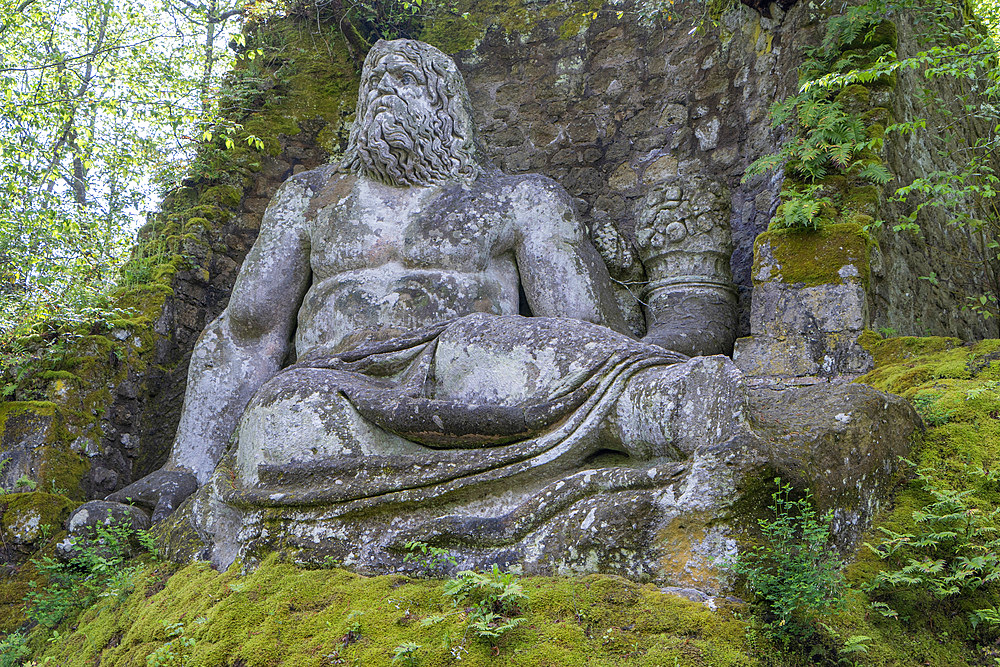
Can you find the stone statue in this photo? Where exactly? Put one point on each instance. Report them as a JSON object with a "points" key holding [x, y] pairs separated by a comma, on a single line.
{"points": [[420, 405]]}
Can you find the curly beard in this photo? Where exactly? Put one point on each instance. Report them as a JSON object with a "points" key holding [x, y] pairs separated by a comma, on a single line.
{"points": [[400, 144]]}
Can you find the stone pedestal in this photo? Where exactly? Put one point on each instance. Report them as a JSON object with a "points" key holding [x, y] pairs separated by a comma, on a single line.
{"points": [[810, 304]]}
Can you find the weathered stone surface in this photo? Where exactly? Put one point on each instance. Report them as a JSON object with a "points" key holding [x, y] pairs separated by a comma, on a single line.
{"points": [[26, 430], [644, 113], [668, 520], [84, 521], [42, 446], [843, 442], [820, 355], [782, 310], [810, 304], [160, 492]]}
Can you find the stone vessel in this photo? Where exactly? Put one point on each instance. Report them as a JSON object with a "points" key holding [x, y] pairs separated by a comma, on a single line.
{"points": [[685, 244]]}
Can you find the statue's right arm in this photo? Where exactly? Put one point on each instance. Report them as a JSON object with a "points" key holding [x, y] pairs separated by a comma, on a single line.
{"points": [[239, 351]]}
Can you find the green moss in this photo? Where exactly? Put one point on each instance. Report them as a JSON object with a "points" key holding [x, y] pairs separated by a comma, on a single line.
{"points": [[905, 364], [65, 376], [573, 26], [884, 33], [225, 196], [280, 614], [854, 99], [35, 513], [812, 258], [284, 615], [863, 200], [20, 419], [452, 34], [461, 25], [956, 387], [62, 468], [28, 521], [15, 408]]}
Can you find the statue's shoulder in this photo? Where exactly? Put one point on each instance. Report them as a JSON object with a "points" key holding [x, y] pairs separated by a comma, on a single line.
{"points": [[539, 206], [323, 186], [326, 177], [536, 188]]}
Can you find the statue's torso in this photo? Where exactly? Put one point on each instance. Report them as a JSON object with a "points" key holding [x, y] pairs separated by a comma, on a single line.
{"points": [[389, 259]]}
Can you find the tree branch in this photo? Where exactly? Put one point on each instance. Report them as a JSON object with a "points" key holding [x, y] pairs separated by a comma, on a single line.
{"points": [[91, 54], [357, 45]]}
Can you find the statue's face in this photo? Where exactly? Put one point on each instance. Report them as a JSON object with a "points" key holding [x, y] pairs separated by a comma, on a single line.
{"points": [[401, 90]]}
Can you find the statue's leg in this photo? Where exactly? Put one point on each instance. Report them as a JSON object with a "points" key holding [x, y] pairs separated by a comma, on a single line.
{"points": [[301, 414], [671, 411]]}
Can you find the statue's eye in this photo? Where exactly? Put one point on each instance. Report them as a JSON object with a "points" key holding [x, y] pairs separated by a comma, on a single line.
{"points": [[408, 79]]}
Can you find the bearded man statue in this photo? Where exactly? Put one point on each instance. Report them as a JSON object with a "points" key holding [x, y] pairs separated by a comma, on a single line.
{"points": [[421, 404]]}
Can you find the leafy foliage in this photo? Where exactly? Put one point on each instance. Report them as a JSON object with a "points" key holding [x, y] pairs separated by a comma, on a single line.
{"points": [[176, 652], [803, 208], [430, 559], [831, 141], [388, 19], [930, 410], [98, 98], [795, 571], [859, 47], [954, 552], [406, 654], [98, 569], [494, 601], [14, 649]]}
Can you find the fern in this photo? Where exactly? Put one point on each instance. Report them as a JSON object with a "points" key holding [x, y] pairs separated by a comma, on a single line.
{"points": [[952, 552]]}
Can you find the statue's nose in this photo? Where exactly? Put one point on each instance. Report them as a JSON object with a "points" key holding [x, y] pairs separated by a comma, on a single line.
{"points": [[387, 84]]}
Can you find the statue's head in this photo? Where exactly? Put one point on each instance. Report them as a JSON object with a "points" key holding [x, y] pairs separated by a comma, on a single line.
{"points": [[413, 124]]}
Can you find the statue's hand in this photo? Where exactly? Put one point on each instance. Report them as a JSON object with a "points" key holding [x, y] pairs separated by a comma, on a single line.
{"points": [[161, 492]]}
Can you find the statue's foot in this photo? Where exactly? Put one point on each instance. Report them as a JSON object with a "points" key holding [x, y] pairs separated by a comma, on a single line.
{"points": [[674, 411], [160, 492]]}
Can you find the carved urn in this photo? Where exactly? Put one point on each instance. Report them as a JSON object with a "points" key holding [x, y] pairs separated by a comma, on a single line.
{"points": [[685, 245]]}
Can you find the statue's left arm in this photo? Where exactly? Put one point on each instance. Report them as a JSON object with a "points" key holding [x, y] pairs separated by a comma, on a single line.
{"points": [[560, 270]]}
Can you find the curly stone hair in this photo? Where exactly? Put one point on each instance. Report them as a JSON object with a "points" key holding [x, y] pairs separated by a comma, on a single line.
{"points": [[419, 149]]}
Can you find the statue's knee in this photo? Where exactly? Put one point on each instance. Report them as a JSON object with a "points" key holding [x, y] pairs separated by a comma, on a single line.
{"points": [[671, 411]]}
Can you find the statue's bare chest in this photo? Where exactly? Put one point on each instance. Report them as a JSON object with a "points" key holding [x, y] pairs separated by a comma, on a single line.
{"points": [[372, 226]]}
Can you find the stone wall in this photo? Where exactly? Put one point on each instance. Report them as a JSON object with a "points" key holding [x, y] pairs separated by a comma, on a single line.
{"points": [[905, 300]]}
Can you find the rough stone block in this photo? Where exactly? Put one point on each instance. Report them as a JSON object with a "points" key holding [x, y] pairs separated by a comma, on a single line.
{"points": [[779, 309], [843, 442], [828, 354]]}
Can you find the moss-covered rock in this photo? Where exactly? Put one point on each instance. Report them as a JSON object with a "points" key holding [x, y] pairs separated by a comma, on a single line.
{"points": [[835, 254], [36, 446], [28, 518]]}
